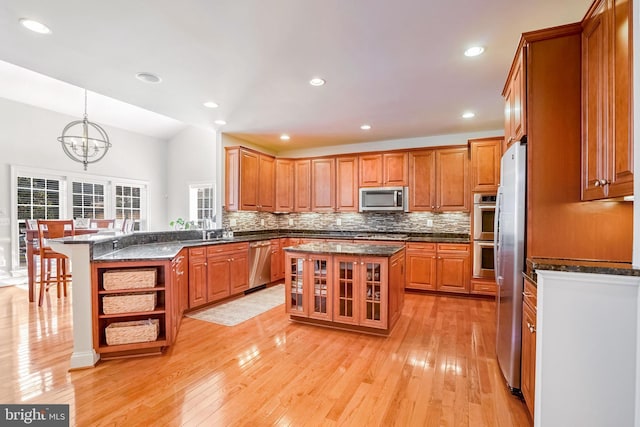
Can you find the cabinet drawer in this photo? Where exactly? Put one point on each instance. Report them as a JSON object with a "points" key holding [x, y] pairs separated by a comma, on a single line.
{"points": [[483, 288], [453, 247], [530, 294], [421, 246], [197, 252], [229, 247]]}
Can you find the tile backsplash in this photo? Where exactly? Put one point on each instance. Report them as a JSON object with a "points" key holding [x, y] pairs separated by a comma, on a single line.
{"points": [[413, 222]]}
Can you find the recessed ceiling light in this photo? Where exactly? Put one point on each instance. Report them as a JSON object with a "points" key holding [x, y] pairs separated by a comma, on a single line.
{"points": [[365, 127], [468, 115], [285, 137], [148, 77], [35, 26], [317, 81], [210, 104], [474, 51], [220, 122]]}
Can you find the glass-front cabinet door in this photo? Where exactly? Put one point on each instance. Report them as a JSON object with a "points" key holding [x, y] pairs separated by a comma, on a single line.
{"points": [[373, 292], [294, 285], [320, 290], [346, 282]]}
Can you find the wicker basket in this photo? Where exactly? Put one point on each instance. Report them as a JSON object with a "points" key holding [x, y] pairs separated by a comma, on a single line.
{"points": [[128, 303], [132, 278], [132, 332]]}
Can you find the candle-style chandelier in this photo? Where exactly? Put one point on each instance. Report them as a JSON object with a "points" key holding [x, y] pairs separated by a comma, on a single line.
{"points": [[84, 141]]}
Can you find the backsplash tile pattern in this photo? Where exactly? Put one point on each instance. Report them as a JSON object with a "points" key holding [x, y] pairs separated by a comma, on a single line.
{"points": [[414, 222]]}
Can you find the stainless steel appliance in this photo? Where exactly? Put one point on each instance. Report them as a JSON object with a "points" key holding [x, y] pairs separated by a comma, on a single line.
{"points": [[484, 209], [259, 263], [483, 259], [509, 261], [384, 199]]}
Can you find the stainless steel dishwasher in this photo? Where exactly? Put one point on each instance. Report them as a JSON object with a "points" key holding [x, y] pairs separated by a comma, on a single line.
{"points": [[259, 263]]}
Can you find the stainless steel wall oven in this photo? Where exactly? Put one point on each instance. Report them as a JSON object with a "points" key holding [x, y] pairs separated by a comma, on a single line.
{"points": [[484, 211]]}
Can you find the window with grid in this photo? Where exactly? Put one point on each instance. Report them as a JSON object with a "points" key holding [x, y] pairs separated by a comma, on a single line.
{"points": [[37, 198], [201, 205], [87, 200], [129, 203]]}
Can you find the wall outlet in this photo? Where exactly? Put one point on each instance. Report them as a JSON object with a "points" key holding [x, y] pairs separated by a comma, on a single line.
{"points": [[233, 222], [429, 223], [290, 221], [262, 222], [339, 221]]}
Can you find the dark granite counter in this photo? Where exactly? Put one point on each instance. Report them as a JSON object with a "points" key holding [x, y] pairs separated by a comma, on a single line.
{"points": [[345, 249], [579, 266]]}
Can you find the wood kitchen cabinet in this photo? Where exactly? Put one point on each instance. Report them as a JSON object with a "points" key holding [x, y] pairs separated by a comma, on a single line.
{"points": [[309, 286], [284, 185], [277, 259], [515, 108], [249, 180], [347, 184], [180, 285], [607, 133], [439, 180], [529, 319], [485, 164], [217, 272], [388, 169], [453, 268], [421, 266], [323, 184], [302, 185]]}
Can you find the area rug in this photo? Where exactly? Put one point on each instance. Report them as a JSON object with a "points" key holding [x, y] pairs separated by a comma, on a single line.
{"points": [[244, 308]]}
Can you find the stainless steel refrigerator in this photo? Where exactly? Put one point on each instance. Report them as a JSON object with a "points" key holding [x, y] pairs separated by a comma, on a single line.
{"points": [[509, 261]]}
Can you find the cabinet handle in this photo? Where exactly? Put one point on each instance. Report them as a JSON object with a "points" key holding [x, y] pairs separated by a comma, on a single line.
{"points": [[437, 207], [511, 138], [604, 182], [597, 183], [532, 328]]}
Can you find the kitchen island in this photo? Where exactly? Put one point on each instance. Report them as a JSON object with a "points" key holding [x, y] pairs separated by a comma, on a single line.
{"points": [[352, 286]]}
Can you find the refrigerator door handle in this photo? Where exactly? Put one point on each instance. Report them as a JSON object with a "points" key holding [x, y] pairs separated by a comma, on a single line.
{"points": [[496, 237]]}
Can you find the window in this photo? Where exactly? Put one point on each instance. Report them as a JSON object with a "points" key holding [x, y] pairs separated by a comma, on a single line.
{"points": [[201, 205], [87, 200], [129, 204]]}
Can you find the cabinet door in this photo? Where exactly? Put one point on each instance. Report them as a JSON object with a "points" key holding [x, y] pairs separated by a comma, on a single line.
{"points": [[371, 170], [422, 178], [346, 307], [276, 260], [373, 292], [485, 164], [320, 288], [421, 270], [323, 183], [519, 102], [249, 167], [238, 272], [295, 285], [594, 104], [284, 185], [453, 273], [197, 281], [266, 183], [217, 278], [395, 173], [347, 184], [302, 199], [452, 180], [528, 356], [232, 174]]}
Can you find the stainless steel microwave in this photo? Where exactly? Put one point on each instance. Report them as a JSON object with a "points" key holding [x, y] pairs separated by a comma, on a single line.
{"points": [[384, 199]]}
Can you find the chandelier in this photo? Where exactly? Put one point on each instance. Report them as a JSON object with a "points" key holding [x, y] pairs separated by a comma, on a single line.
{"points": [[84, 141]]}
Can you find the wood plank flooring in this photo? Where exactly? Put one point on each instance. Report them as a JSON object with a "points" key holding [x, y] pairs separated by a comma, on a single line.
{"points": [[437, 368]]}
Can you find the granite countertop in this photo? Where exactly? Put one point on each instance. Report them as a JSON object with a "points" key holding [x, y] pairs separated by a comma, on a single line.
{"points": [[345, 249], [579, 266]]}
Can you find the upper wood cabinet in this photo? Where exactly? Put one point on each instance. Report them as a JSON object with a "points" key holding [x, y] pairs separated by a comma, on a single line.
{"points": [[515, 108], [439, 180], [284, 185], [485, 164], [250, 180], [323, 182], [302, 185], [347, 184], [384, 169], [607, 139]]}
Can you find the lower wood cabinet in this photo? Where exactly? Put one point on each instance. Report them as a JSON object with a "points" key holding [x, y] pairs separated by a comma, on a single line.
{"points": [[277, 259], [217, 272], [441, 267], [483, 287], [529, 318]]}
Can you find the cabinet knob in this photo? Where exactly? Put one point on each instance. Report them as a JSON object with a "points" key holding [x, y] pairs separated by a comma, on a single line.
{"points": [[532, 328], [597, 183], [437, 207], [604, 182]]}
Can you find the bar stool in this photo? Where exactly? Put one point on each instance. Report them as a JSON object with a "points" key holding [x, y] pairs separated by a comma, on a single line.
{"points": [[53, 229], [102, 223]]}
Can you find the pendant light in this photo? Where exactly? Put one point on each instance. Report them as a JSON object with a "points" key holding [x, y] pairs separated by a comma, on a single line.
{"points": [[84, 141]]}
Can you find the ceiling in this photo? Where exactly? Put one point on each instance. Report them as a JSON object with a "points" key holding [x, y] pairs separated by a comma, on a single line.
{"points": [[398, 66]]}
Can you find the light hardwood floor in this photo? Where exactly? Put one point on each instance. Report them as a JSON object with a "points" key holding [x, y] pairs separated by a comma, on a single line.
{"points": [[437, 368]]}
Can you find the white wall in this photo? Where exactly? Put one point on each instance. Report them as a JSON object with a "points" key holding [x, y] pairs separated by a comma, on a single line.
{"points": [[636, 141], [28, 138], [191, 159]]}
